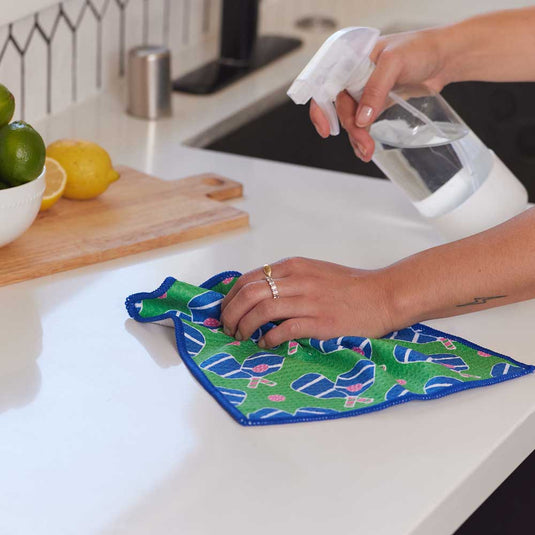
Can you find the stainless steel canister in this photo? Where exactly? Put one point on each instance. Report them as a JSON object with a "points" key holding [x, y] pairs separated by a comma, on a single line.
{"points": [[149, 82]]}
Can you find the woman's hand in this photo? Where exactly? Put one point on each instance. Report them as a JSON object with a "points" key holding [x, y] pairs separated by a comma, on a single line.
{"points": [[488, 47], [317, 299], [323, 300], [401, 59]]}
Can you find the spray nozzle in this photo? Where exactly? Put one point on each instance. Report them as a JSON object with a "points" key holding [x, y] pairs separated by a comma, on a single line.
{"points": [[342, 62]]}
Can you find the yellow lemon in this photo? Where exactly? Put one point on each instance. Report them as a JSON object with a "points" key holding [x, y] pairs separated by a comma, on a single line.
{"points": [[88, 167], [56, 180]]}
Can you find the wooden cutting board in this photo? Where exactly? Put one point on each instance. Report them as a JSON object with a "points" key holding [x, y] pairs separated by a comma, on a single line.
{"points": [[137, 213]]}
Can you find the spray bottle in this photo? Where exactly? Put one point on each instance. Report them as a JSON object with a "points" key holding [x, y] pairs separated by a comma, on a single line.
{"points": [[421, 144]]}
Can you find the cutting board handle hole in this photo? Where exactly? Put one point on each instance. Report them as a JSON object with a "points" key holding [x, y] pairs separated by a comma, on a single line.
{"points": [[213, 181]]}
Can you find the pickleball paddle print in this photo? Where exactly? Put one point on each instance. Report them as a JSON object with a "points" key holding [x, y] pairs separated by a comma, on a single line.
{"points": [[348, 386], [193, 340], [433, 386], [361, 345], [505, 369], [309, 379], [233, 396], [255, 368], [205, 309]]}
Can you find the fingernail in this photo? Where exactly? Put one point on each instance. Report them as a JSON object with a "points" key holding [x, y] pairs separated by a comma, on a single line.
{"points": [[364, 116], [262, 343], [360, 151], [226, 330], [318, 129], [238, 336]]}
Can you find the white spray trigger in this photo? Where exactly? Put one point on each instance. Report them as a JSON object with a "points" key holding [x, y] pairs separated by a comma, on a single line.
{"points": [[342, 62], [329, 111]]}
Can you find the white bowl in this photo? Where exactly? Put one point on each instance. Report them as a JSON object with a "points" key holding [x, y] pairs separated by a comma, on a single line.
{"points": [[19, 207]]}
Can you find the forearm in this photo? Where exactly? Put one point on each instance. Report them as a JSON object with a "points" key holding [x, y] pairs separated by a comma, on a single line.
{"points": [[489, 269], [494, 47]]}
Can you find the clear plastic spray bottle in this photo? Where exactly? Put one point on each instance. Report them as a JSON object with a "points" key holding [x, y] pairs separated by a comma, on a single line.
{"points": [[421, 144]]}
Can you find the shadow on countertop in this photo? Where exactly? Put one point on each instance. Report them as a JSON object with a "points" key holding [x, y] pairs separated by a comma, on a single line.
{"points": [[20, 376]]}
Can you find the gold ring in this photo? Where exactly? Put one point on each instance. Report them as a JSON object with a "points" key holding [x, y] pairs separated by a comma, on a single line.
{"points": [[267, 270]]}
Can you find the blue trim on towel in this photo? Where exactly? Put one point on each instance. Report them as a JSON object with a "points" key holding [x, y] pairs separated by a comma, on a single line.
{"points": [[243, 420]]}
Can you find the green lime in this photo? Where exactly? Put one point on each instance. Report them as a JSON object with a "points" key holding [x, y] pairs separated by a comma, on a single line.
{"points": [[22, 153], [7, 105], [3, 186]]}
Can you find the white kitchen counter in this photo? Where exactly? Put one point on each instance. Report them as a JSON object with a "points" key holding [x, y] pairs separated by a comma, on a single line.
{"points": [[103, 429]]}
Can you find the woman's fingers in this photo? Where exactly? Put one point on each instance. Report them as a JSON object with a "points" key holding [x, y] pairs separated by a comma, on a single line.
{"points": [[270, 310], [384, 77], [346, 108], [360, 139], [278, 269], [293, 277], [320, 122], [291, 329], [249, 296], [358, 149], [246, 278]]}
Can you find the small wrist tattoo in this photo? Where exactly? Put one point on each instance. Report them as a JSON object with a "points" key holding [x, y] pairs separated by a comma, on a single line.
{"points": [[481, 300]]}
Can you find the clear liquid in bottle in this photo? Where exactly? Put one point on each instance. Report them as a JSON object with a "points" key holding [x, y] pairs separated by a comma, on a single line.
{"points": [[438, 166]]}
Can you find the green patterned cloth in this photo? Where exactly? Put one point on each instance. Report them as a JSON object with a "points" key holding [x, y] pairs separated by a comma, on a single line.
{"points": [[311, 379]]}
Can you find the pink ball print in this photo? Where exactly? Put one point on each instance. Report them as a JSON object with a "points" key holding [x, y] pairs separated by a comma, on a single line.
{"points": [[228, 280], [277, 397], [211, 322]]}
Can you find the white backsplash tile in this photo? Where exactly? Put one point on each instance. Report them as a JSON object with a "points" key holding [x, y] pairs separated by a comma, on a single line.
{"points": [[74, 10], [155, 21], [35, 90], [10, 71], [61, 69], [86, 45], [111, 45], [70, 51], [22, 31], [135, 33]]}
